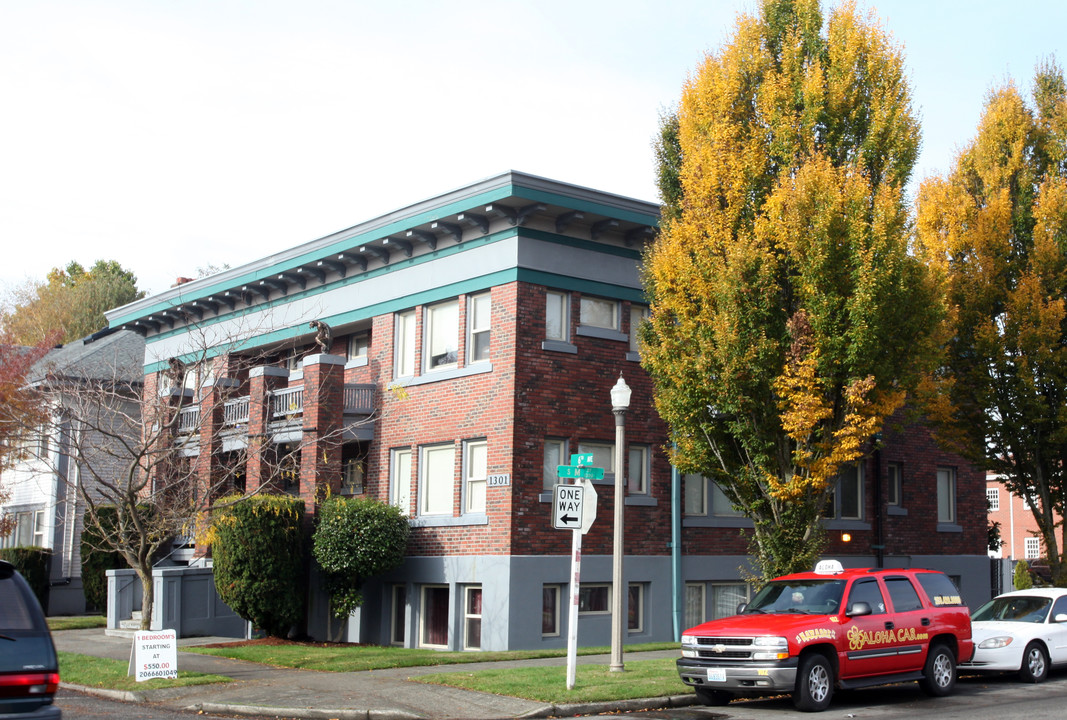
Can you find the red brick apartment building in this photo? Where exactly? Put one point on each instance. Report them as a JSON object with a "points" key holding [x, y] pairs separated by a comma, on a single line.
{"points": [[1018, 529], [475, 339]]}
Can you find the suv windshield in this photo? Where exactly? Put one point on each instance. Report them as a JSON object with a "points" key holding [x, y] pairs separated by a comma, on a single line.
{"points": [[1020, 608], [815, 597]]}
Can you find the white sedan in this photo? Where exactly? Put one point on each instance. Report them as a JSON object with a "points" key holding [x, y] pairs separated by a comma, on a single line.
{"points": [[1024, 631]]}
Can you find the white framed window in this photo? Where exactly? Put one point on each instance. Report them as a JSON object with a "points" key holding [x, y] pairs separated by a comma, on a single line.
{"points": [[1031, 548], [594, 599], [550, 604], [992, 498], [472, 617], [894, 483], [433, 619], [475, 472], [638, 314], [703, 496], [725, 597], [441, 346], [603, 455], [557, 315], [637, 470], [437, 489], [946, 495], [555, 455], [599, 312], [479, 331], [695, 497], [846, 501], [695, 604], [294, 362], [405, 344], [398, 622], [400, 479], [358, 346], [635, 608]]}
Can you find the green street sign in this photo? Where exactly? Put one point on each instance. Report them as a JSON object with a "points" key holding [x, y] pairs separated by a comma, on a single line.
{"points": [[582, 459], [579, 472]]}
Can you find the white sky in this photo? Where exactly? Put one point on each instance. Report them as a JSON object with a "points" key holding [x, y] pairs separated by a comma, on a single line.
{"points": [[170, 134]]}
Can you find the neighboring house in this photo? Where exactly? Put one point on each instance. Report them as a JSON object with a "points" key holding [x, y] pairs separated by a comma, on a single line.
{"points": [[1019, 535], [44, 487], [475, 340]]}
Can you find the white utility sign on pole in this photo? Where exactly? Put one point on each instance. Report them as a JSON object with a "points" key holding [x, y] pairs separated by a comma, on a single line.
{"points": [[574, 509]]}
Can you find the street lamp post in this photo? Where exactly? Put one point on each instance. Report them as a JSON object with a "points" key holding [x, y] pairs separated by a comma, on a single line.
{"points": [[620, 401]]}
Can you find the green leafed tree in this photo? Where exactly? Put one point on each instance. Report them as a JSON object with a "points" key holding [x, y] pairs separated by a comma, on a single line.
{"points": [[71, 301], [995, 231], [356, 539], [788, 318]]}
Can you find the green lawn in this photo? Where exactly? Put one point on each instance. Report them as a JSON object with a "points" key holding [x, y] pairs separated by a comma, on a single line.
{"points": [[96, 672], [76, 622], [354, 658], [593, 683]]}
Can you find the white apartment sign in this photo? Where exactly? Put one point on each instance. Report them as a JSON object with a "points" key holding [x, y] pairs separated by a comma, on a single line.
{"points": [[154, 655]]}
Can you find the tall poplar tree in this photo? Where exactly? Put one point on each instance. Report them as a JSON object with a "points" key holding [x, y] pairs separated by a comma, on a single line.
{"points": [[995, 230], [788, 318]]}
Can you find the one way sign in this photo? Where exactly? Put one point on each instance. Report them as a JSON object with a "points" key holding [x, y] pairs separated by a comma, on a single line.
{"points": [[567, 503]]}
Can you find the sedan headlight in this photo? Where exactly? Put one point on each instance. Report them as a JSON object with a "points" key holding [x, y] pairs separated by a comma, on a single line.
{"points": [[996, 642]]}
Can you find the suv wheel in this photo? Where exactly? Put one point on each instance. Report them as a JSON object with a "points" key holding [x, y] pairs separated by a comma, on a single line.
{"points": [[1035, 663], [815, 683], [939, 675]]}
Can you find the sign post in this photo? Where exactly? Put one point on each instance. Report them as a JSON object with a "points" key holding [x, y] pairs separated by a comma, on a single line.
{"points": [[574, 508]]}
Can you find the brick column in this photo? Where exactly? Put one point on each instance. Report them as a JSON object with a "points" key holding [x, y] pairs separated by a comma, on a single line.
{"points": [[261, 382], [320, 461]]}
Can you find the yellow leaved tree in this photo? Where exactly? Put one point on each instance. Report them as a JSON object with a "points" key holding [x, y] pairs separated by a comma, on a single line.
{"points": [[788, 318], [994, 230]]}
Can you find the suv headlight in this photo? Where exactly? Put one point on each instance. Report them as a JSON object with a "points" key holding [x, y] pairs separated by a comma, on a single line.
{"points": [[772, 648], [689, 646]]}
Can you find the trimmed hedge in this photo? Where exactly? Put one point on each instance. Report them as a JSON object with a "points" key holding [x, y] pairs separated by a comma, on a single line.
{"points": [[259, 560], [96, 562], [356, 539], [35, 564]]}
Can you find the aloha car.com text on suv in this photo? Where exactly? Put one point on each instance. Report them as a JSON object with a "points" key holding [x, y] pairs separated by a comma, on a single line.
{"points": [[809, 633]]}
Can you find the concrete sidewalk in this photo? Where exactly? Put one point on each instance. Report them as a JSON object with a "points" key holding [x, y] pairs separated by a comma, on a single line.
{"points": [[375, 694]]}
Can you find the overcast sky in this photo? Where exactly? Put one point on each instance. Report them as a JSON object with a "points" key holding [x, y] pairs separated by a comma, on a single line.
{"points": [[174, 134]]}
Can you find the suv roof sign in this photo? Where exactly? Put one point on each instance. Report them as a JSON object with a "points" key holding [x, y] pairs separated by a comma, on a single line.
{"points": [[829, 567]]}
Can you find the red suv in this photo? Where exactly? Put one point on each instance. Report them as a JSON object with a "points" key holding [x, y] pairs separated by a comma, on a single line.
{"points": [[809, 633]]}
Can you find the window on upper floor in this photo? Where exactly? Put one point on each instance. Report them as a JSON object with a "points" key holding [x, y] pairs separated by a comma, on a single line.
{"points": [[946, 495], [894, 484], [475, 473], [638, 315], [479, 322], [1031, 548], [404, 346], [557, 315], [846, 500], [704, 497], [441, 342], [603, 455], [400, 479], [555, 455], [992, 498], [437, 479], [28, 531], [638, 470], [358, 346], [599, 312]]}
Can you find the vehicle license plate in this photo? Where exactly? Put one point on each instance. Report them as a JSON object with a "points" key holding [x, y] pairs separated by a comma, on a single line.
{"points": [[716, 675]]}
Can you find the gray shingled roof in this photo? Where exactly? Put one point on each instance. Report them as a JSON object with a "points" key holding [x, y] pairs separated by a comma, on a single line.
{"points": [[105, 355]]}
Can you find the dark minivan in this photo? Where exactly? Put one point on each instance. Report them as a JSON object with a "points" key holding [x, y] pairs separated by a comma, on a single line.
{"points": [[29, 671]]}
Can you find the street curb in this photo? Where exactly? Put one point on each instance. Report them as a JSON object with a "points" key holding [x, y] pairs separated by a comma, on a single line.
{"points": [[123, 695], [311, 713], [635, 705]]}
